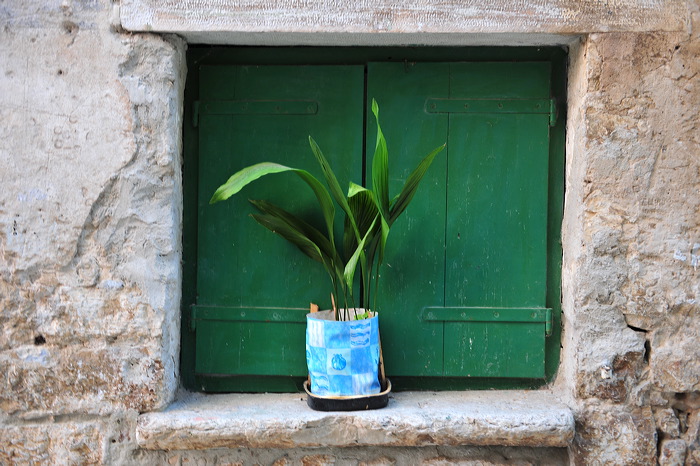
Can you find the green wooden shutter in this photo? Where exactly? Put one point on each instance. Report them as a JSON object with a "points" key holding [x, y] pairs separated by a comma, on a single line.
{"points": [[464, 286], [253, 288], [465, 278]]}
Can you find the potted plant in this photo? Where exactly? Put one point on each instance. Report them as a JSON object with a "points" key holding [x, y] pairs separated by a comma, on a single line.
{"points": [[342, 344]]}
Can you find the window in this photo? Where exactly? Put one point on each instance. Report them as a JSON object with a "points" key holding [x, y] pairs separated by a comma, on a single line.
{"points": [[471, 278]]}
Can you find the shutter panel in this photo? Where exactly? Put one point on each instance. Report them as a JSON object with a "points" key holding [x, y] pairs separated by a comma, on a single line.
{"points": [[252, 286], [474, 248], [464, 281], [496, 241], [414, 270]]}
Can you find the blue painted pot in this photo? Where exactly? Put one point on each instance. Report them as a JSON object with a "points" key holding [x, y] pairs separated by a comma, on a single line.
{"points": [[342, 356]]}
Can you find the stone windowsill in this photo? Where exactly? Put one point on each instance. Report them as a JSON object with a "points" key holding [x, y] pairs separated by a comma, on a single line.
{"points": [[509, 418]]}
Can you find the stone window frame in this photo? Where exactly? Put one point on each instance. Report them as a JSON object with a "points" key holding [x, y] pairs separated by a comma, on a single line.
{"points": [[320, 56], [202, 421], [508, 27]]}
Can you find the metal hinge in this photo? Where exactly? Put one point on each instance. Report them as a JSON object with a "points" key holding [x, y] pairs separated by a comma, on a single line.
{"points": [[486, 314], [193, 317], [291, 315], [195, 114], [252, 107], [491, 314], [552, 112], [519, 106]]}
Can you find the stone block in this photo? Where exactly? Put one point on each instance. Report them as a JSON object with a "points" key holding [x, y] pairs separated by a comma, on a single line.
{"points": [[610, 434], [45, 380], [89, 231], [379, 461], [630, 289], [318, 460], [615, 380], [509, 418], [64, 443], [675, 355], [193, 461], [357, 456], [667, 422], [388, 22], [687, 405], [672, 453], [693, 455]]}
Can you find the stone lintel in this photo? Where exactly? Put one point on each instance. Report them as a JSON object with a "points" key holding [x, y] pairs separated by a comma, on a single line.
{"points": [[389, 39], [508, 418], [390, 22]]}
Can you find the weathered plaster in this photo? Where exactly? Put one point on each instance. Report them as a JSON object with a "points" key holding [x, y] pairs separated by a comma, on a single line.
{"points": [[89, 231]]}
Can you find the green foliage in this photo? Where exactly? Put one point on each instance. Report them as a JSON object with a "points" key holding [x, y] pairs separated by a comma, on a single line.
{"points": [[369, 215]]}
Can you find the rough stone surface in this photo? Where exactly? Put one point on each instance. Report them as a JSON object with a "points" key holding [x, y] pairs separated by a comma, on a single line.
{"points": [[79, 443], [70, 440], [641, 209], [89, 212], [631, 229], [352, 456], [667, 422], [385, 21], [672, 453], [411, 419], [614, 435], [635, 281], [379, 461]]}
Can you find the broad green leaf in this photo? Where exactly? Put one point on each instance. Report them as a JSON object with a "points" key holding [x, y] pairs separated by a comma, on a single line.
{"points": [[382, 241], [242, 178], [332, 182], [247, 175], [380, 167], [364, 208], [351, 265], [279, 226], [355, 189], [365, 211], [369, 215], [409, 188], [303, 227], [324, 200], [291, 234]]}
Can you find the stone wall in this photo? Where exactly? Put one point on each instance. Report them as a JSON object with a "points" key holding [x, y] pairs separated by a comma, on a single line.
{"points": [[89, 229], [90, 221], [631, 361]]}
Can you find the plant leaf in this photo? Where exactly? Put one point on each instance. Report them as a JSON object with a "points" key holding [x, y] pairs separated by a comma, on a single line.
{"points": [[278, 225], [247, 175], [351, 265], [364, 208], [382, 241], [332, 182], [281, 227], [409, 188], [380, 167], [300, 225], [242, 178]]}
